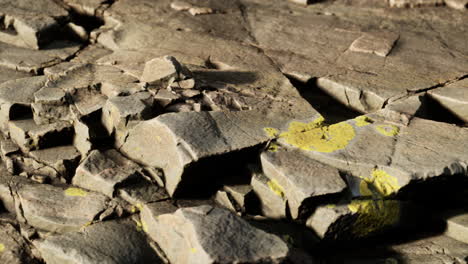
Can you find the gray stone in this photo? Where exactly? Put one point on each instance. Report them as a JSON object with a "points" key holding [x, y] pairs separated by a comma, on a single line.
{"points": [[457, 226], [162, 72], [13, 247], [241, 194], [165, 97], [179, 139], [453, 97], [299, 177], [64, 159], [195, 11], [51, 105], [270, 195], [30, 136], [142, 192], [379, 43], [211, 235], [180, 6], [111, 242], [415, 3], [105, 171], [223, 199], [59, 209], [457, 4], [88, 101], [9, 74], [7, 146]]}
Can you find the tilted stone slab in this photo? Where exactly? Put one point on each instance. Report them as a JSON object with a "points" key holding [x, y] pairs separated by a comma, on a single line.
{"points": [[207, 234], [64, 159], [13, 247], [453, 97], [457, 226], [299, 176], [104, 171], [180, 139], [111, 242], [59, 209], [271, 196]]}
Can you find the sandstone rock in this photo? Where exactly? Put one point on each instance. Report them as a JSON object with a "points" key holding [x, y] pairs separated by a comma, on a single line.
{"points": [[30, 24], [59, 209], [457, 4], [457, 226], [107, 242], [142, 192], [380, 43], [7, 147], [241, 194], [179, 139], [78, 32], [162, 72], [453, 97], [88, 101], [165, 97], [299, 178], [64, 159], [223, 199], [271, 196], [51, 105], [212, 235], [104, 171], [180, 6], [9, 74], [195, 11], [13, 247]]}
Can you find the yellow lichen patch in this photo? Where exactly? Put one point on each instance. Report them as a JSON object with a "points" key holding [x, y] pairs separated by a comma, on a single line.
{"points": [[361, 121], [276, 188], [87, 224], [271, 132], [316, 137], [2, 247], [374, 215], [388, 130], [331, 206], [141, 225], [75, 192], [380, 184], [193, 250], [273, 147]]}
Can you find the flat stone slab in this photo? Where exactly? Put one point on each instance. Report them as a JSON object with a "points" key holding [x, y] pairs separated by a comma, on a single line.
{"points": [[271, 196], [111, 242], [453, 97], [457, 226], [180, 139], [299, 177], [212, 235], [13, 247], [59, 209]]}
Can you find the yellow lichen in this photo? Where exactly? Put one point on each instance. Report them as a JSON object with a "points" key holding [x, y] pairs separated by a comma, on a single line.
{"points": [[87, 224], [379, 185], [141, 225], [276, 188], [361, 121], [331, 206], [2, 247], [388, 130], [373, 215], [75, 192], [273, 147], [271, 132], [193, 250], [315, 136]]}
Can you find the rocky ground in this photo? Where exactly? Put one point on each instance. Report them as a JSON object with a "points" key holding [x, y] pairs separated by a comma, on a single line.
{"points": [[233, 131]]}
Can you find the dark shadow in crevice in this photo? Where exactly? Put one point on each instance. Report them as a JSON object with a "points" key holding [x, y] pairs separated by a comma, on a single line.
{"points": [[433, 110], [332, 110], [229, 77]]}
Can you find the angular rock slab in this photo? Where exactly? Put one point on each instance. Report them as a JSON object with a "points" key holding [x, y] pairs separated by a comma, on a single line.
{"points": [[382, 156], [457, 227], [271, 196], [13, 247], [206, 234], [112, 242], [179, 139], [104, 171], [299, 176], [453, 97], [59, 209]]}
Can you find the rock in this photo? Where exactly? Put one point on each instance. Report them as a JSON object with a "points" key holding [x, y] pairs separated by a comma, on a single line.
{"points": [[30, 24], [178, 139], [453, 97], [302, 2], [13, 247], [51, 105], [105, 171], [415, 3], [78, 32], [299, 178], [7, 146], [59, 209], [223, 199], [457, 4], [64, 159], [211, 235], [108, 242], [180, 6], [88, 101], [195, 11], [9, 74], [162, 72], [165, 97], [241, 194], [271, 196], [114, 89], [142, 192], [30, 136], [180, 107], [379, 43], [457, 226], [86, 7]]}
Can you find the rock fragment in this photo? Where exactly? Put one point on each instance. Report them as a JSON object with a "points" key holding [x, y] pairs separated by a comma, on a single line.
{"points": [[300, 177], [110, 242], [457, 227], [271, 196], [30, 136], [212, 235], [181, 6], [104, 171], [13, 247], [453, 97], [162, 72], [50, 105], [195, 11], [379, 43], [64, 159], [457, 4], [59, 209], [415, 3]]}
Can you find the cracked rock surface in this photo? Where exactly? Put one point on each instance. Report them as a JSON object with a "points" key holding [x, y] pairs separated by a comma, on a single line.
{"points": [[233, 131]]}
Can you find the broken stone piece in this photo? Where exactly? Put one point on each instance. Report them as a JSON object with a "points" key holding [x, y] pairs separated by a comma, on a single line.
{"points": [[180, 6], [453, 97], [301, 2], [104, 171], [379, 43], [457, 4], [30, 136], [64, 159], [77, 32], [270, 195], [13, 247], [59, 209], [162, 72], [88, 100], [211, 235], [195, 11], [223, 199], [299, 177], [180, 139], [457, 227], [108, 242], [165, 97], [142, 192]]}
